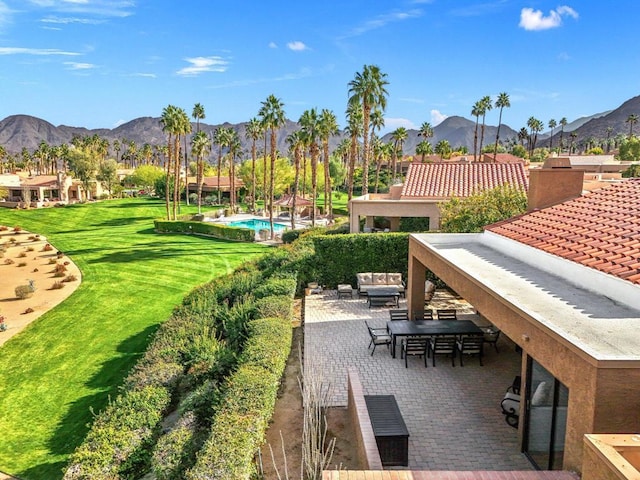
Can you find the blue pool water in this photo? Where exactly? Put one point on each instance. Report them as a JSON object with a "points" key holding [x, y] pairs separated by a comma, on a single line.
{"points": [[257, 225]]}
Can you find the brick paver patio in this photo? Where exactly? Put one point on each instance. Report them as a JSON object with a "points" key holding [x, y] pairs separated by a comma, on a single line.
{"points": [[452, 413]]}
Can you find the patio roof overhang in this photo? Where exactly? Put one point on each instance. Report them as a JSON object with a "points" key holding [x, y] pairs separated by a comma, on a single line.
{"points": [[594, 314]]}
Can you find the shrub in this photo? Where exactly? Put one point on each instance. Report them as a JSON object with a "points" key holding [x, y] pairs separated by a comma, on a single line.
{"points": [[118, 442], [22, 264], [176, 451], [17, 229], [22, 254], [52, 261], [57, 286], [204, 228], [276, 306], [30, 249], [70, 278], [8, 261], [276, 286], [47, 247]]}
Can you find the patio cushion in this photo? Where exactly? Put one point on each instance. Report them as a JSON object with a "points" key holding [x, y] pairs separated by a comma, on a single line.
{"points": [[542, 395], [394, 278], [364, 278], [380, 279]]}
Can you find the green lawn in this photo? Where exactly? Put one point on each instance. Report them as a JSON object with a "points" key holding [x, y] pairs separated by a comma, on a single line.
{"points": [[69, 362]]}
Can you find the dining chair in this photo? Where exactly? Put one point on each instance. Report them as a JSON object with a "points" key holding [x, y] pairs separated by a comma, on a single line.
{"points": [[470, 345], [379, 336], [447, 314], [416, 346], [424, 315], [398, 314], [491, 335], [442, 345]]}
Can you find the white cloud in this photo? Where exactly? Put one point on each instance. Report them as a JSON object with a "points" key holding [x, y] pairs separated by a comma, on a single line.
{"points": [[383, 20], [531, 19], [5, 14], [79, 66], [104, 8], [297, 46], [68, 20], [390, 124], [564, 56], [273, 45], [437, 117], [144, 75], [34, 51], [203, 64]]}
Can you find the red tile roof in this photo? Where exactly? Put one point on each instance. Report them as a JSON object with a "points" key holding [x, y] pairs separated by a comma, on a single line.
{"points": [[600, 229], [445, 180]]}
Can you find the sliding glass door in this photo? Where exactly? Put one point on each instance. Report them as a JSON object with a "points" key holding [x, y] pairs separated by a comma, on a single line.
{"points": [[546, 418]]}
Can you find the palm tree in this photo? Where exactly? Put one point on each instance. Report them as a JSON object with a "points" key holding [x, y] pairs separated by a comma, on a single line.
{"points": [[309, 124], [222, 138], [573, 136], [168, 121], [117, 146], [198, 114], [443, 148], [354, 130], [476, 111], [253, 132], [552, 125], [423, 149], [563, 123], [296, 146], [608, 141], [183, 127], [399, 135], [327, 127], [535, 127], [486, 106], [368, 90], [273, 118], [631, 120], [235, 147], [200, 146], [501, 102], [377, 148]]}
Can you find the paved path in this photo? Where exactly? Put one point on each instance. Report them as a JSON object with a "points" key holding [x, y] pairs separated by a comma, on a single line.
{"points": [[452, 413]]}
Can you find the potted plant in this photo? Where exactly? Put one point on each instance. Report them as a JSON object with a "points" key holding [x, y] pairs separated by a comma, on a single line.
{"points": [[3, 325]]}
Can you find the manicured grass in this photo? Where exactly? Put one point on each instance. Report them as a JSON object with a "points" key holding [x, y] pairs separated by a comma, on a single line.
{"points": [[69, 362]]}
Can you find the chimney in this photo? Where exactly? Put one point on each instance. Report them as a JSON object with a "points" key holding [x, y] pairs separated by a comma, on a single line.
{"points": [[554, 183]]}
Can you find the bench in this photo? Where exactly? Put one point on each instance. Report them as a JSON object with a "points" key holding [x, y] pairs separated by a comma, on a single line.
{"points": [[373, 279], [389, 429]]}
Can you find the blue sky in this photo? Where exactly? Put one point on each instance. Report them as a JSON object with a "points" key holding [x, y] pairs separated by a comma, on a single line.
{"points": [[100, 63]]}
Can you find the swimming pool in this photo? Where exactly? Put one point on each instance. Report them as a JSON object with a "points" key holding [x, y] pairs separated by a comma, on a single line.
{"points": [[257, 225]]}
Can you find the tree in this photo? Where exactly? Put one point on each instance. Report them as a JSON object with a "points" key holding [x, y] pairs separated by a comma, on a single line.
{"points": [[296, 145], [200, 147], [222, 138], [84, 167], [486, 105], [198, 114], [107, 174], [476, 111], [398, 136], [426, 130], [471, 214], [535, 127], [327, 127], [368, 90], [631, 120], [354, 130], [309, 124], [630, 150], [552, 125], [443, 148], [175, 123], [563, 123], [273, 119], [502, 102], [145, 176], [235, 147], [253, 132], [423, 149]]}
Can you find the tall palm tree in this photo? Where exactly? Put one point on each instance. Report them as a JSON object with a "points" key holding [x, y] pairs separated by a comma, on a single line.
{"points": [[354, 130], [253, 132], [309, 124], [443, 148], [502, 102], [273, 118], [535, 127], [377, 149], [572, 147], [398, 136], [426, 132], [198, 114], [486, 106], [563, 123], [222, 138], [200, 146], [327, 127], [368, 90], [296, 146], [183, 127], [235, 148], [552, 124], [476, 111], [423, 149], [631, 120], [169, 121], [608, 141]]}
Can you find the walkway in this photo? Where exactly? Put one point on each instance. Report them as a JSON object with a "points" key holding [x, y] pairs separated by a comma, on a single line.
{"points": [[452, 413]]}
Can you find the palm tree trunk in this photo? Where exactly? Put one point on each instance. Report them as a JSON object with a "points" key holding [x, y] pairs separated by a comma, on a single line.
{"points": [[167, 180], [272, 180], [264, 175], [296, 181], [253, 176]]}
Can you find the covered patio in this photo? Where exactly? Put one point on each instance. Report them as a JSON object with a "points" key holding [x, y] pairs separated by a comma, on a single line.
{"points": [[452, 413]]}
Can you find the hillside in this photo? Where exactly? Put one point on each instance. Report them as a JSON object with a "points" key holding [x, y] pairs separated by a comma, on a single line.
{"points": [[18, 131]]}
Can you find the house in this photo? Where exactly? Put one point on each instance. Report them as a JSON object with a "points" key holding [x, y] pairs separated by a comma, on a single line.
{"points": [[429, 184], [210, 185], [43, 190], [562, 281]]}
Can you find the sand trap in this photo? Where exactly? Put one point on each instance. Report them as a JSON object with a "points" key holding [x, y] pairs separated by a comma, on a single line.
{"points": [[26, 258]]}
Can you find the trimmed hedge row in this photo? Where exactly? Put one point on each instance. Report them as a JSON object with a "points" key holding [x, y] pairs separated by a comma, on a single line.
{"points": [[118, 443], [240, 424], [205, 228]]}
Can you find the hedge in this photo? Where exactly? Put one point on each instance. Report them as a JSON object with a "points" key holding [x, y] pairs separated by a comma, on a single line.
{"points": [[205, 228]]}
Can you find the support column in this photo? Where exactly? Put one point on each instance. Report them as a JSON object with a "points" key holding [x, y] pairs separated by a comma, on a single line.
{"points": [[415, 286]]}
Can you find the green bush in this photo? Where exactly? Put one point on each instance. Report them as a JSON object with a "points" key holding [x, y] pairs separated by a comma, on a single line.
{"points": [[206, 228], [276, 286], [268, 345], [118, 444], [175, 452], [280, 306]]}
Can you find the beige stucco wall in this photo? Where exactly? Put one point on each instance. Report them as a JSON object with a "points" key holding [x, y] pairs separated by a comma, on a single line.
{"points": [[368, 207], [603, 397]]}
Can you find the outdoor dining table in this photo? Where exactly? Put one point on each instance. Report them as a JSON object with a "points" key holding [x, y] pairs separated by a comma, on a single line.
{"points": [[429, 328]]}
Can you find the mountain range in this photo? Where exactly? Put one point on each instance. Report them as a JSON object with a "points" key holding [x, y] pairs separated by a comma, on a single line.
{"points": [[18, 131]]}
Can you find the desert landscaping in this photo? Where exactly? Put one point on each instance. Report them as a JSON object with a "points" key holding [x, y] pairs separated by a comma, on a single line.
{"points": [[27, 257]]}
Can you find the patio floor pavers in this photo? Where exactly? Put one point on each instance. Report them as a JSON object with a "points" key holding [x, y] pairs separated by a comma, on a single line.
{"points": [[452, 413]]}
